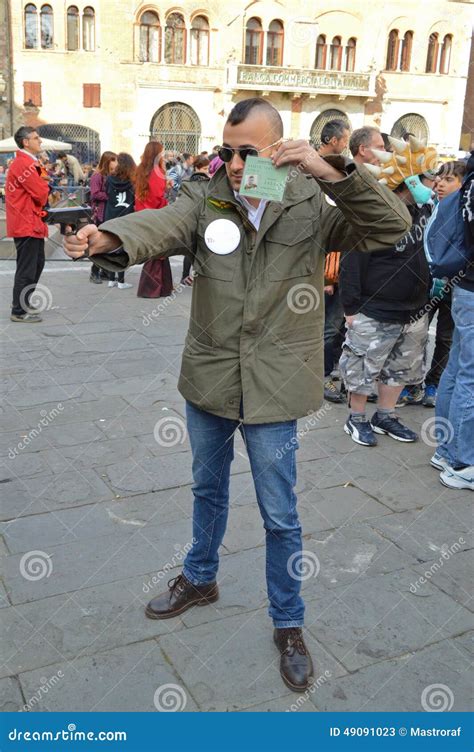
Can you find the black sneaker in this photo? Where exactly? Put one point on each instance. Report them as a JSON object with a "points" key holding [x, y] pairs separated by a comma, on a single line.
{"points": [[390, 424], [95, 279], [332, 393], [360, 432]]}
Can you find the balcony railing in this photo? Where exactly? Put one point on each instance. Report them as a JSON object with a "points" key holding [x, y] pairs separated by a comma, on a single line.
{"points": [[299, 80]]}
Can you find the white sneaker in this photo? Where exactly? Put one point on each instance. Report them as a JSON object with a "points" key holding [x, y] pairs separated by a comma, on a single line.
{"points": [[124, 285], [458, 478], [439, 462], [112, 283]]}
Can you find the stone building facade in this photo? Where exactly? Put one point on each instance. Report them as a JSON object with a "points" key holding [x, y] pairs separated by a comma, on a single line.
{"points": [[108, 75]]}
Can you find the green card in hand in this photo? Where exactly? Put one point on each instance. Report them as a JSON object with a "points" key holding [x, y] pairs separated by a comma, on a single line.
{"points": [[261, 179]]}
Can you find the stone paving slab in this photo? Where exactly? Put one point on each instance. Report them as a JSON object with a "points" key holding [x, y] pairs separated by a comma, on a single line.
{"points": [[69, 626], [398, 685], [380, 618], [11, 699], [425, 532], [97, 560], [351, 553], [125, 678], [98, 519], [48, 492], [452, 573]]}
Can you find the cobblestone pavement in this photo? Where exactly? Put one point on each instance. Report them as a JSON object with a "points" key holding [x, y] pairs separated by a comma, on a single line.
{"points": [[96, 503]]}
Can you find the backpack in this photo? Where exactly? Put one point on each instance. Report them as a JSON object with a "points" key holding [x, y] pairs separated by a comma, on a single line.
{"points": [[444, 241]]}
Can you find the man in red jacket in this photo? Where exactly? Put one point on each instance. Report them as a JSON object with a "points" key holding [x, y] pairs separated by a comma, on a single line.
{"points": [[26, 193]]}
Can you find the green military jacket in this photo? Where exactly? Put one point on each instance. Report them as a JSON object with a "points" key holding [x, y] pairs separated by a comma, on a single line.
{"points": [[257, 313]]}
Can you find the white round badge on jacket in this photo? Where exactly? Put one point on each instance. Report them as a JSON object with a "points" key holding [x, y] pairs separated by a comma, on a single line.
{"points": [[222, 236]]}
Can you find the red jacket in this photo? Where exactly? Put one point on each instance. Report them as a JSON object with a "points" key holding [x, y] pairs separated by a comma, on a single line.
{"points": [[155, 198], [26, 194]]}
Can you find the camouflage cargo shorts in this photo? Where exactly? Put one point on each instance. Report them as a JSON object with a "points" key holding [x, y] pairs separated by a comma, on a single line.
{"points": [[377, 351]]}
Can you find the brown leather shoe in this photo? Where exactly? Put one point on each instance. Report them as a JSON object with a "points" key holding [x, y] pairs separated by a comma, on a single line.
{"points": [[296, 666], [181, 595]]}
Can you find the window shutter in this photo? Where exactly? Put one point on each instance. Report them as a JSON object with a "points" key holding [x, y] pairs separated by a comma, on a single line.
{"points": [[91, 95], [32, 93], [95, 95]]}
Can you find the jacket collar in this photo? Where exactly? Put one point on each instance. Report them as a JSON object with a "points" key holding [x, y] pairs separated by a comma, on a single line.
{"points": [[21, 154]]}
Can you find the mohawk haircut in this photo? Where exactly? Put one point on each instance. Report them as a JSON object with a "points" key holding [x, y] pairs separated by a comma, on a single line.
{"points": [[256, 105]]}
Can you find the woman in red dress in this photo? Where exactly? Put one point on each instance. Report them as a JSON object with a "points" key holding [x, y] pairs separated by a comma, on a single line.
{"points": [[156, 280]]}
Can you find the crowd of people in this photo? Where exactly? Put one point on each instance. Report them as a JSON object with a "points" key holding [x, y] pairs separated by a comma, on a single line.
{"points": [[251, 360]]}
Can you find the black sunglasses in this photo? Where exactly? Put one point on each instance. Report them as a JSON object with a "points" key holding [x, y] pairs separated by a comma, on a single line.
{"points": [[226, 153]]}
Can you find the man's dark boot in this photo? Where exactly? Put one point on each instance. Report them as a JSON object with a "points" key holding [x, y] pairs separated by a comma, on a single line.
{"points": [[296, 666], [181, 595]]}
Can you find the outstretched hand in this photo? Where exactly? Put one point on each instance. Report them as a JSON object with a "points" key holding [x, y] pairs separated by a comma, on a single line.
{"points": [[91, 239]]}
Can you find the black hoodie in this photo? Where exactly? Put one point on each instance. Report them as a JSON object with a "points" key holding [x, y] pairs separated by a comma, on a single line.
{"points": [[121, 198], [390, 286]]}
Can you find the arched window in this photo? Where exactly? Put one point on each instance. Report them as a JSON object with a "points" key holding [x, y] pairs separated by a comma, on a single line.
{"points": [[407, 45], [88, 29], [200, 41], [350, 54], [150, 38], [275, 43], [31, 27], [411, 123], [178, 128], [72, 28], [253, 42], [175, 39], [46, 26], [335, 54], [321, 52], [432, 56], [445, 58], [393, 47], [320, 122]]}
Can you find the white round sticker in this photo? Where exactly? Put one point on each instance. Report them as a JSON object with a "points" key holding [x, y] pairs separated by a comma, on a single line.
{"points": [[222, 236]]}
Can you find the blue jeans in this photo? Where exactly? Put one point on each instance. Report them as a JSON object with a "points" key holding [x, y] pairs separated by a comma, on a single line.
{"points": [[271, 449], [455, 400]]}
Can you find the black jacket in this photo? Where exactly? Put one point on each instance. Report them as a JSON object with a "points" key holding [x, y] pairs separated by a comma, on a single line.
{"points": [[390, 286], [467, 208], [121, 198]]}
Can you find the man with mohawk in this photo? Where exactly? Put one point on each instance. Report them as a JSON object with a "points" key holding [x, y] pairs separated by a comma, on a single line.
{"points": [[384, 296]]}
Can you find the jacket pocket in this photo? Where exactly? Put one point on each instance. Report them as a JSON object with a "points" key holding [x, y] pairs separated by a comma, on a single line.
{"points": [[290, 249], [209, 264]]}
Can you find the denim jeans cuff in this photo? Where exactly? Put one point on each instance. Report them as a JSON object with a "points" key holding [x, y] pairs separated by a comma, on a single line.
{"points": [[288, 624], [195, 580]]}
